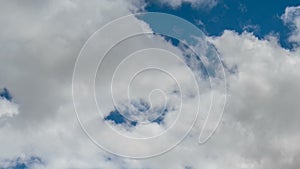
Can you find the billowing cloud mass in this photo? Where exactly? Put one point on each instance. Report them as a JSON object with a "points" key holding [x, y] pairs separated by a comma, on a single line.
{"points": [[39, 44], [261, 100]]}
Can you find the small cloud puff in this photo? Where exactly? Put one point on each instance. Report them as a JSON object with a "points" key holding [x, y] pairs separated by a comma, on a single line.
{"points": [[8, 108]]}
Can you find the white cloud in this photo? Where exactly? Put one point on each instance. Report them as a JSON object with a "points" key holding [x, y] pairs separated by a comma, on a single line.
{"points": [[194, 3], [262, 97], [260, 125], [291, 17], [7, 108], [37, 57]]}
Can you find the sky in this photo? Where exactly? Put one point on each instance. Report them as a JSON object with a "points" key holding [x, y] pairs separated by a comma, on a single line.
{"points": [[258, 17], [203, 84]]}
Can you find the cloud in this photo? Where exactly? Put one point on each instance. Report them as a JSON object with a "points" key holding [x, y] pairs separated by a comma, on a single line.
{"points": [[7, 108], [22, 163], [260, 124], [37, 57], [262, 96], [194, 3], [291, 17]]}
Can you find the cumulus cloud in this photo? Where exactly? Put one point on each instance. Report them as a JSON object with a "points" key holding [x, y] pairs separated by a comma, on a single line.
{"points": [[291, 17], [260, 124], [262, 98], [37, 57]]}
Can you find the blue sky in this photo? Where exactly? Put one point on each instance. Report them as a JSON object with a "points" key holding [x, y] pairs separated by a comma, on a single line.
{"points": [[260, 17], [4, 93], [20, 163]]}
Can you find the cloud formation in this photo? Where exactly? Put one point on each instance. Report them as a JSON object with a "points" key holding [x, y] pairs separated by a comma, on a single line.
{"points": [[193, 3], [259, 129], [292, 19], [7, 108]]}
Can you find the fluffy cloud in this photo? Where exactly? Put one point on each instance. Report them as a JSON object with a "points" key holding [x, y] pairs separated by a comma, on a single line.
{"points": [[291, 17], [39, 45], [7, 108], [260, 124], [262, 98]]}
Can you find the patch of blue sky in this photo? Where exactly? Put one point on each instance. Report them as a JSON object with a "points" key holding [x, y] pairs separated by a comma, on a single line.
{"points": [[20, 163], [165, 25], [4, 93], [117, 118], [185, 35], [142, 106], [260, 17]]}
